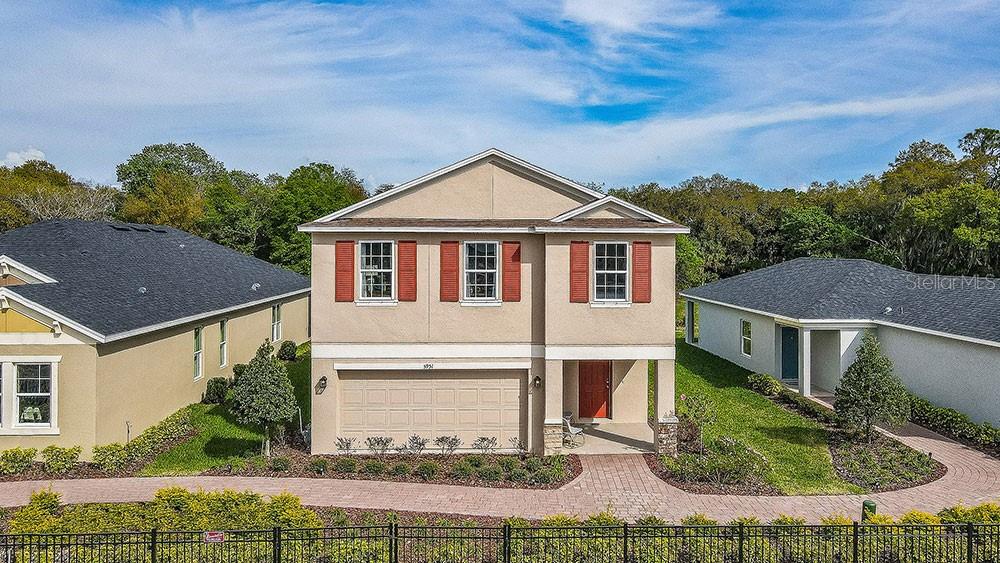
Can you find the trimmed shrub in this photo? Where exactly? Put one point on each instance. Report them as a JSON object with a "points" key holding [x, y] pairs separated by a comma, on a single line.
{"points": [[917, 517], [952, 423], [727, 461], [287, 351], [61, 460], [545, 476], [318, 465], [152, 439], [462, 469], [345, 465], [986, 513], [879, 520], [533, 464], [745, 520], [559, 521], [215, 391], [400, 468], [489, 473], [111, 458], [475, 460], [427, 469], [764, 384], [698, 519], [373, 467], [509, 463], [281, 463], [518, 475], [16, 460]]}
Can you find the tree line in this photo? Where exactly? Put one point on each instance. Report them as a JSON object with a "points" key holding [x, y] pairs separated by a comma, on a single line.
{"points": [[931, 211]]}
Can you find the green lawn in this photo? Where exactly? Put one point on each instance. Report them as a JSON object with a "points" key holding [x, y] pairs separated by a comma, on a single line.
{"points": [[220, 438], [795, 446]]}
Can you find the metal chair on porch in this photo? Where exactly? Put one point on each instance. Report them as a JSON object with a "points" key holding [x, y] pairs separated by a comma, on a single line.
{"points": [[573, 437]]}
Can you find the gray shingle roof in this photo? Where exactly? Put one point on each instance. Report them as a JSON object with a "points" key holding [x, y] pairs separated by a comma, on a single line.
{"points": [[842, 289], [118, 277]]}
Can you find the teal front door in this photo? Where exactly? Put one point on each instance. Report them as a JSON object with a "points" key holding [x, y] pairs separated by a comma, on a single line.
{"points": [[789, 353]]}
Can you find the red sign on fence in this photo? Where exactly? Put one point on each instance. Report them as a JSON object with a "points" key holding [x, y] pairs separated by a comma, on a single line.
{"points": [[215, 537]]}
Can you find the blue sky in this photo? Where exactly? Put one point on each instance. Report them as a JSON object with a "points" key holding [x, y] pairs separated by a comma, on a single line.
{"points": [[612, 92]]}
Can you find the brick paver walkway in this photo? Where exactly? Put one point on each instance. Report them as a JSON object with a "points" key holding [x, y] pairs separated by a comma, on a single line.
{"points": [[620, 482]]}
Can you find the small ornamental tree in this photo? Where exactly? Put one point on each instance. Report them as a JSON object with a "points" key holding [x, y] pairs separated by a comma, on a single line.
{"points": [[870, 393], [263, 394]]}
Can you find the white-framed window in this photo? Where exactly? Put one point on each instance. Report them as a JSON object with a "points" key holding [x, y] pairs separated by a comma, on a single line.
{"points": [[28, 395], [33, 395], [746, 337], [275, 322], [481, 280], [198, 352], [223, 342], [611, 275], [377, 270]]}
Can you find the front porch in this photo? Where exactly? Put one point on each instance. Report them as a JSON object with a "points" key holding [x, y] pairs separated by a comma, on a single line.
{"points": [[610, 401]]}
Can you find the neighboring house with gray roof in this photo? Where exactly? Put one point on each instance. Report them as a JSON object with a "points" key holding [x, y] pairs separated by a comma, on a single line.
{"points": [[802, 321], [106, 328]]}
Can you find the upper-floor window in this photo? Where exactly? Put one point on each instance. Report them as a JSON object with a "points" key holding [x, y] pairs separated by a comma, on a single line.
{"points": [[275, 323], [611, 271], [481, 277], [377, 270], [223, 342], [746, 337], [198, 353]]}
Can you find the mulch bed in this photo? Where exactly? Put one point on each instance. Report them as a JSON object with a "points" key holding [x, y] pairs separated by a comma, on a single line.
{"points": [[742, 489], [300, 468], [839, 441]]}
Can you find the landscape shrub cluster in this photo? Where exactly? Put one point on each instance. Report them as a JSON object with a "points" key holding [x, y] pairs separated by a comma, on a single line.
{"points": [[115, 457], [952, 423], [726, 461]]}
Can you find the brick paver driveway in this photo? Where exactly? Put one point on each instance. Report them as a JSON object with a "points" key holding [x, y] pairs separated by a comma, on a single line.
{"points": [[620, 482]]}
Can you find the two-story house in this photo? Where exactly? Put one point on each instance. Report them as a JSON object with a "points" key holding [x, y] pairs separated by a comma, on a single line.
{"points": [[491, 298]]}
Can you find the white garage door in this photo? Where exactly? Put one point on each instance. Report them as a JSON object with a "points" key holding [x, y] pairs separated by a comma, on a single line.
{"points": [[467, 404]]}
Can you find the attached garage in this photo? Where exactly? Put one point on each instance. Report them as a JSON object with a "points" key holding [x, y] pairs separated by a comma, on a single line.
{"points": [[467, 404]]}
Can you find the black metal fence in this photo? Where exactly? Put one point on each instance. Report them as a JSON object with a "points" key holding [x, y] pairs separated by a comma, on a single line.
{"points": [[949, 543]]}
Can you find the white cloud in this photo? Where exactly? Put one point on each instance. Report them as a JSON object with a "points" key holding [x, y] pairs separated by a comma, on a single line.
{"points": [[640, 16], [17, 158]]}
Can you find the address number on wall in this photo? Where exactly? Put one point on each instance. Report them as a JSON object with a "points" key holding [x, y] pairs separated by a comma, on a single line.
{"points": [[428, 366]]}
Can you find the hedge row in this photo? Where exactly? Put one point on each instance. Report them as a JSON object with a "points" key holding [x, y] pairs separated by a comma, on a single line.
{"points": [[111, 458], [952, 423]]}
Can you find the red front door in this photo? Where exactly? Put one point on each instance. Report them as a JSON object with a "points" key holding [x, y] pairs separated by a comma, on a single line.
{"points": [[595, 384]]}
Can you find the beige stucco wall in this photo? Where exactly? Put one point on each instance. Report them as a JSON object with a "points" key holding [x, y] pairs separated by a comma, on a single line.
{"points": [[583, 324], [142, 380], [482, 190], [428, 319], [76, 394]]}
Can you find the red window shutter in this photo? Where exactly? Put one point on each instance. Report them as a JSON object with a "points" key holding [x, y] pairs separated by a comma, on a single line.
{"points": [[641, 272], [449, 271], [406, 258], [511, 271], [579, 272], [344, 271]]}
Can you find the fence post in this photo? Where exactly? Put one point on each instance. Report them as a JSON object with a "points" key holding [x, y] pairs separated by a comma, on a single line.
{"points": [[276, 545], [970, 544], [152, 546], [393, 542], [854, 542], [625, 557], [739, 544], [506, 542]]}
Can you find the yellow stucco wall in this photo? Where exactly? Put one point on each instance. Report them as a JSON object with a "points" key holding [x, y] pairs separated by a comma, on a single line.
{"points": [[13, 321]]}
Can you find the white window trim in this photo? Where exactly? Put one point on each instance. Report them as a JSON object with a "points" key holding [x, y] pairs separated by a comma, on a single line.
{"points": [[494, 301], [198, 356], [275, 324], [223, 343], [8, 418], [748, 339], [627, 302], [376, 301]]}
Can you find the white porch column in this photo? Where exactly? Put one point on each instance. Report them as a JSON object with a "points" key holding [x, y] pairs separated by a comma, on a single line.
{"points": [[689, 321], [805, 362], [553, 385]]}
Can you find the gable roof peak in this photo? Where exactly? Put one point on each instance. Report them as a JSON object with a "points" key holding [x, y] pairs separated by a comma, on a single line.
{"points": [[491, 152]]}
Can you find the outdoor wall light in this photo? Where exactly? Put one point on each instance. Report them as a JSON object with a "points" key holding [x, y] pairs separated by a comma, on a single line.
{"points": [[537, 382], [321, 385]]}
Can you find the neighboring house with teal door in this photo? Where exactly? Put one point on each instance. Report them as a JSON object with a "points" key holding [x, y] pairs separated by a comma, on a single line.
{"points": [[802, 321]]}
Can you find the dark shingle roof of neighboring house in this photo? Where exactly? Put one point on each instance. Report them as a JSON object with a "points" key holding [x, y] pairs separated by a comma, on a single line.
{"points": [[116, 278], [842, 289]]}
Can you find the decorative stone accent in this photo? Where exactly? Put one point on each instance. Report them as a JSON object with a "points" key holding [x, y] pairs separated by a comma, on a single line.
{"points": [[666, 436], [553, 434]]}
